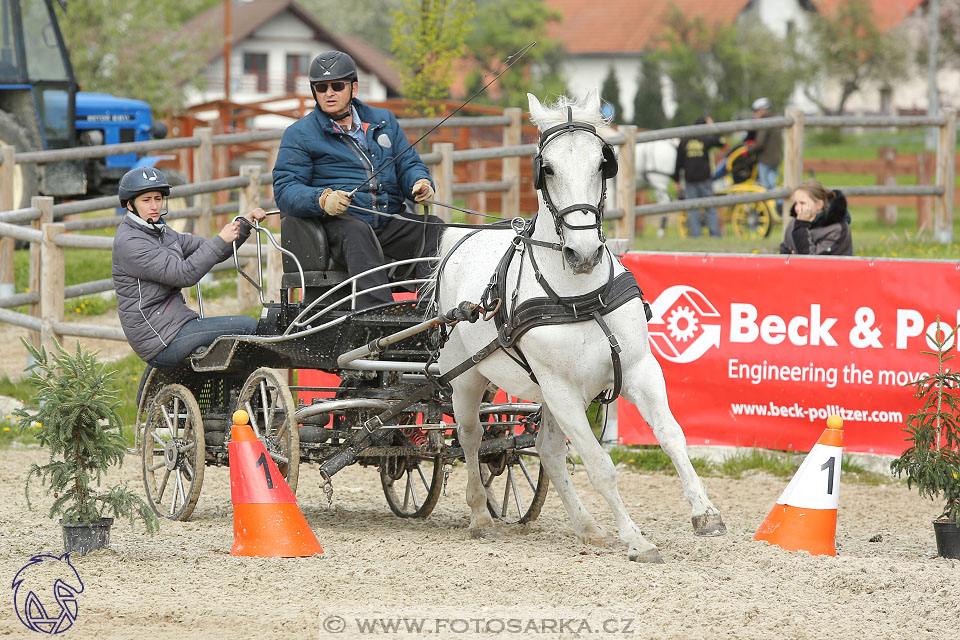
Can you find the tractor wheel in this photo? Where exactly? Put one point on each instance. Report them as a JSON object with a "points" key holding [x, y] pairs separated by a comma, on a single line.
{"points": [[24, 175]]}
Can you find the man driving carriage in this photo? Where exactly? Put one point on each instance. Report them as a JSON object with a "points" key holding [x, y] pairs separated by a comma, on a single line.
{"points": [[345, 163]]}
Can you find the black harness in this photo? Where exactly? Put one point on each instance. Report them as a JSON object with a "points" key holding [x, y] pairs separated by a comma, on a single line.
{"points": [[513, 319]]}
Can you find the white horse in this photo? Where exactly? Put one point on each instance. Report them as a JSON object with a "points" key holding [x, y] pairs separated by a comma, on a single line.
{"points": [[571, 363], [655, 164]]}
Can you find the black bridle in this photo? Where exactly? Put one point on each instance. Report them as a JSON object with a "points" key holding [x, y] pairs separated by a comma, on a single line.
{"points": [[608, 169]]}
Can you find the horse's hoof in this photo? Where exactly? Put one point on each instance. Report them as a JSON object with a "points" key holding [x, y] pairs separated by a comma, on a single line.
{"points": [[708, 524], [650, 556], [484, 534], [598, 537]]}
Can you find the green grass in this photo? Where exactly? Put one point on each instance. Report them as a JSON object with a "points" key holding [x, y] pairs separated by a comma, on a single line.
{"points": [[651, 459]]}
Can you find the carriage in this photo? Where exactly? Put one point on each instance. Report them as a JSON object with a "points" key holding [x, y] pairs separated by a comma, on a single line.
{"points": [[184, 413]]}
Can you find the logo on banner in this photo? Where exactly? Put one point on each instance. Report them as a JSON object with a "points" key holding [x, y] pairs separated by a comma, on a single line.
{"points": [[684, 324]]}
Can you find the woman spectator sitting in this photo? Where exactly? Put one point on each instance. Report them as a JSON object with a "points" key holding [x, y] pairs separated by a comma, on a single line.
{"points": [[819, 222]]}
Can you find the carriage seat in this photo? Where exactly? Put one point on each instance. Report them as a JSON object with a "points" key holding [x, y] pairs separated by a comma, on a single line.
{"points": [[322, 261], [322, 264]]}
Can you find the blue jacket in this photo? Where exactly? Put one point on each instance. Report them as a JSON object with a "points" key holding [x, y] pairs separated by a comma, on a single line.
{"points": [[314, 156]]}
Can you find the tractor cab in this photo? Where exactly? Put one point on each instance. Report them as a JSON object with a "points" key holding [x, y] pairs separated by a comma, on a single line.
{"points": [[41, 107]]}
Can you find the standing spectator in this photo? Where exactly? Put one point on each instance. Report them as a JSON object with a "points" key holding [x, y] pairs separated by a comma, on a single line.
{"points": [[694, 168], [819, 222], [767, 149]]}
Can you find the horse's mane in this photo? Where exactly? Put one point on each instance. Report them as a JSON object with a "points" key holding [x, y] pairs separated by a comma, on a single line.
{"points": [[557, 113]]}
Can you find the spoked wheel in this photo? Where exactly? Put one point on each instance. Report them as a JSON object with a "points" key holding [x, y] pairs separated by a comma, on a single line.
{"points": [[515, 481], [411, 484], [173, 453], [752, 220], [266, 398]]}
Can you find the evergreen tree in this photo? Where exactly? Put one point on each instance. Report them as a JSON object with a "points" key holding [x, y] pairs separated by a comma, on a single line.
{"points": [[648, 102], [610, 92], [77, 421]]}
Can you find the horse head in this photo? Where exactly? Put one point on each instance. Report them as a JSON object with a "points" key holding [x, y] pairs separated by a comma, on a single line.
{"points": [[570, 171]]}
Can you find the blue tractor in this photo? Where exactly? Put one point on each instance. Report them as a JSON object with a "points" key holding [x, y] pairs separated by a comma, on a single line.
{"points": [[41, 107]]}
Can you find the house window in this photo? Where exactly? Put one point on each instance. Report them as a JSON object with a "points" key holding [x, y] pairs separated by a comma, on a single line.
{"points": [[297, 66], [255, 64]]}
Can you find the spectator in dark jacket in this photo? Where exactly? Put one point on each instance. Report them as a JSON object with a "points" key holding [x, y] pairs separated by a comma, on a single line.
{"points": [[151, 264], [767, 149], [819, 222], [694, 168], [325, 169]]}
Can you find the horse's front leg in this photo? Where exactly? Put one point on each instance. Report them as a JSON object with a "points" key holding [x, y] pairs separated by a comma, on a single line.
{"points": [[568, 410], [552, 448], [643, 385], [467, 393]]}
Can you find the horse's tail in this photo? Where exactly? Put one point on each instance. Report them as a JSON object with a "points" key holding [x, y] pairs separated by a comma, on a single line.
{"points": [[448, 240]]}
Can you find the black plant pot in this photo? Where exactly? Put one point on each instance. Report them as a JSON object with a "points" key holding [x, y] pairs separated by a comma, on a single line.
{"points": [[86, 537], [948, 538]]}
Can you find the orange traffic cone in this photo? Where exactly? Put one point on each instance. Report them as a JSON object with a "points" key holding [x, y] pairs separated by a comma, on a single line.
{"points": [[266, 519], [805, 516]]}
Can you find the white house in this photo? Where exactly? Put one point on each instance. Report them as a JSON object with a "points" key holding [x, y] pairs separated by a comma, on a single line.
{"points": [[272, 45]]}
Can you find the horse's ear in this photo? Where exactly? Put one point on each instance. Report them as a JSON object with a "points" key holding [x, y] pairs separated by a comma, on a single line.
{"points": [[536, 109], [592, 102]]}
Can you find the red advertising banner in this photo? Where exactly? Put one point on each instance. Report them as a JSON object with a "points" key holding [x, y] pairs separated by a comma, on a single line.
{"points": [[759, 350]]}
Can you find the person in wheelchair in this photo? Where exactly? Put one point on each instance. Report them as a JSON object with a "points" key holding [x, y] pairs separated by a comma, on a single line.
{"points": [[153, 262], [345, 162]]}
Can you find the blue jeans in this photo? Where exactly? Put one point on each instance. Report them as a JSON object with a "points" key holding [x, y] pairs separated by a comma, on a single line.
{"points": [[703, 189], [201, 332], [767, 177]]}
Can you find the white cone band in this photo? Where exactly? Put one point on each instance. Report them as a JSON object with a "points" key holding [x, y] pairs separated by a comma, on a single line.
{"points": [[816, 485]]}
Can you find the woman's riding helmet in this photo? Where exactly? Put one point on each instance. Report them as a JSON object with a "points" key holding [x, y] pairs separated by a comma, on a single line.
{"points": [[139, 181]]}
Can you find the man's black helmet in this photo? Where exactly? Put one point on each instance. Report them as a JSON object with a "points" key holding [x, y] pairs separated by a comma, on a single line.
{"points": [[333, 65], [139, 181]]}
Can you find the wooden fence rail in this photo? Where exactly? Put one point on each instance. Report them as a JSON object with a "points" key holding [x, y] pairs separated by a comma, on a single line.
{"points": [[48, 239]]}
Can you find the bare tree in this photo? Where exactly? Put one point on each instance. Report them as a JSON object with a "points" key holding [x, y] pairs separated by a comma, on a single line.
{"points": [[851, 50]]}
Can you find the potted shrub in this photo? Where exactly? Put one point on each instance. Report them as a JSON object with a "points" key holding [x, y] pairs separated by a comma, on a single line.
{"points": [[932, 461], [76, 420]]}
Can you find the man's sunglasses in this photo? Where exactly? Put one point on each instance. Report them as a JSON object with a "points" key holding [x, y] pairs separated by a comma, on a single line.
{"points": [[321, 87]]}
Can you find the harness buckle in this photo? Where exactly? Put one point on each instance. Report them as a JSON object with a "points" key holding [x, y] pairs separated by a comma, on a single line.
{"points": [[614, 344]]}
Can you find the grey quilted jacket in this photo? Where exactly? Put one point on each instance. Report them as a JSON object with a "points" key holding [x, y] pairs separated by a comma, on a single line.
{"points": [[149, 269]]}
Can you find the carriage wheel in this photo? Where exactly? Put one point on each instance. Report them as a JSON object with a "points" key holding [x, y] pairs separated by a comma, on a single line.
{"points": [[515, 481], [752, 220], [173, 453], [411, 484], [266, 398]]}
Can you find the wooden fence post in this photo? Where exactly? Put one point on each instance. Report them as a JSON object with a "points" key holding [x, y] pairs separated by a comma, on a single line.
{"points": [[924, 208], [34, 284], [511, 166], [7, 177], [443, 177], [946, 151], [888, 176], [203, 171], [627, 185], [51, 285], [793, 155], [249, 199]]}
